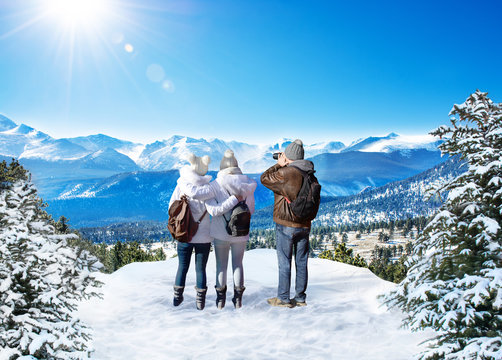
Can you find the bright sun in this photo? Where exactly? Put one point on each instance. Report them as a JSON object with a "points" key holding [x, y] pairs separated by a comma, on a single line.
{"points": [[85, 13]]}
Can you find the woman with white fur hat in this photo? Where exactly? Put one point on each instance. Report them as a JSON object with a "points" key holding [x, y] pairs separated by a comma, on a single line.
{"points": [[194, 183], [229, 181]]}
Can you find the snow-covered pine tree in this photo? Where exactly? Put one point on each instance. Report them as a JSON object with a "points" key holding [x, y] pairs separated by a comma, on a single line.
{"points": [[41, 280], [454, 284]]}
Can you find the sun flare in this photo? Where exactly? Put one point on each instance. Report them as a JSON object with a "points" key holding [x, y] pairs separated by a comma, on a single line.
{"points": [[88, 13]]}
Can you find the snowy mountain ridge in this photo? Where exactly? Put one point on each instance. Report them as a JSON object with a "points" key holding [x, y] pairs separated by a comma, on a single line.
{"points": [[22, 141]]}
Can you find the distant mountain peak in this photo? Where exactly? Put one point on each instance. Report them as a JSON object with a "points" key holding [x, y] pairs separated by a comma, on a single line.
{"points": [[392, 135], [6, 123], [21, 130]]}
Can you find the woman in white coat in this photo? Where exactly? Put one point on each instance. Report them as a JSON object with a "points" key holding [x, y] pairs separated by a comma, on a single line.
{"points": [[230, 181], [195, 184]]}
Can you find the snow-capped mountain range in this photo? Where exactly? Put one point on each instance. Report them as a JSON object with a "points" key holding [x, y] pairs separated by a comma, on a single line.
{"points": [[98, 177], [25, 142]]}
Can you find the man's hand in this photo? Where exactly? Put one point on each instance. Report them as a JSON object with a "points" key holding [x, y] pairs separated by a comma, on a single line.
{"points": [[283, 160]]}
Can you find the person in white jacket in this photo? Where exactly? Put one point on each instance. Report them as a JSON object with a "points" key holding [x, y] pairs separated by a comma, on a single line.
{"points": [[230, 181], [195, 184]]}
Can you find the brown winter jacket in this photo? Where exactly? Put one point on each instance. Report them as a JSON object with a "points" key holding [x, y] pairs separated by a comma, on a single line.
{"points": [[285, 182]]}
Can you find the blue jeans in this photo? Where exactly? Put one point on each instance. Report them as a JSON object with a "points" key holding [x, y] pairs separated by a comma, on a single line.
{"points": [[184, 255], [292, 241]]}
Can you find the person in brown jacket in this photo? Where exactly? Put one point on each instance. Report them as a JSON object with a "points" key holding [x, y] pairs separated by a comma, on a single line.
{"points": [[292, 234]]}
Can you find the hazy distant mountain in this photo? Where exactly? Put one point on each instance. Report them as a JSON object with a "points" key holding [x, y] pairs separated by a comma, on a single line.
{"points": [[14, 140], [394, 142], [6, 123], [350, 172], [25, 142], [396, 200], [172, 153], [361, 144], [102, 142]]}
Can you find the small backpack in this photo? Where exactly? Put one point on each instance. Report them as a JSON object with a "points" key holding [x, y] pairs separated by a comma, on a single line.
{"points": [[240, 219], [181, 223], [306, 204]]}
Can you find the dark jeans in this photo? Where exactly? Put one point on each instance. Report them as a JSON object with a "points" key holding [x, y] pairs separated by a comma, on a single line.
{"points": [[184, 255], [292, 241]]}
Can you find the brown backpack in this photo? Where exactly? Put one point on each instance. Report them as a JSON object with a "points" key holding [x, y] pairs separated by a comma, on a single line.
{"points": [[181, 223]]}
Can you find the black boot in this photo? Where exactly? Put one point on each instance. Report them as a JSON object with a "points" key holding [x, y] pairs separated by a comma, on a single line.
{"points": [[178, 295], [237, 299], [200, 299], [221, 297]]}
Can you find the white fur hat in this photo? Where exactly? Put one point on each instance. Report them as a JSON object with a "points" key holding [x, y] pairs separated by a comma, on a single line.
{"points": [[228, 160], [199, 164]]}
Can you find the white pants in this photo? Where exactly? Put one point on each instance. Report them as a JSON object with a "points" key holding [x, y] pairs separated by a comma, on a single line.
{"points": [[221, 249]]}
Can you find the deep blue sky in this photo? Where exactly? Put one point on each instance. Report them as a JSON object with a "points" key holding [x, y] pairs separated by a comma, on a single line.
{"points": [[251, 71]]}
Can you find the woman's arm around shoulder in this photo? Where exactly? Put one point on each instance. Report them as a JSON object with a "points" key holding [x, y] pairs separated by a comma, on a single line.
{"points": [[198, 192], [215, 209]]}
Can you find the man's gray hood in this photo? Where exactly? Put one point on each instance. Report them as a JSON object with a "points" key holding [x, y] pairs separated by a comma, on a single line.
{"points": [[304, 165]]}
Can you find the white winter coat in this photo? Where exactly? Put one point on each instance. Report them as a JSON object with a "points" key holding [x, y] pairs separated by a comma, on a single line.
{"points": [[199, 190], [230, 181]]}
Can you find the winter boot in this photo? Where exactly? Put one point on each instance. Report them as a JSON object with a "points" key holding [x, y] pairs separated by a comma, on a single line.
{"points": [[237, 299], [200, 299], [178, 295], [221, 297]]}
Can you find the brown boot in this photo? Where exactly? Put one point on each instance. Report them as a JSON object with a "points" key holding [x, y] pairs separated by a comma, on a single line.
{"points": [[278, 302]]}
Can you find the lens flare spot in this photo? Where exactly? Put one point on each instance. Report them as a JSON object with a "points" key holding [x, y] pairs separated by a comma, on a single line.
{"points": [[129, 48], [168, 86], [155, 73]]}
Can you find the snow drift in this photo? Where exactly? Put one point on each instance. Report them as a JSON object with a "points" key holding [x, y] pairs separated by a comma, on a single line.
{"points": [[343, 319]]}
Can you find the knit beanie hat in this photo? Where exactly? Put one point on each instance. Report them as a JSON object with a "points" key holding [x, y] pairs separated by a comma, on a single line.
{"points": [[228, 160], [294, 151], [199, 164]]}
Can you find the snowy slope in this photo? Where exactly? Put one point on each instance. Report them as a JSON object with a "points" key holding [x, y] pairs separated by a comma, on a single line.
{"points": [[171, 153], [6, 123], [14, 140], [394, 142], [343, 319], [397, 200], [22, 141], [102, 142]]}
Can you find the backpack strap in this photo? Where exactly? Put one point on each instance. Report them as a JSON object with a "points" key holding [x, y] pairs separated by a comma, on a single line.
{"points": [[185, 198], [304, 173], [202, 217], [228, 193]]}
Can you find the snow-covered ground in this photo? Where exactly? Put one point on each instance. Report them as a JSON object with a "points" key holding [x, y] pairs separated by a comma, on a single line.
{"points": [[343, 319]]}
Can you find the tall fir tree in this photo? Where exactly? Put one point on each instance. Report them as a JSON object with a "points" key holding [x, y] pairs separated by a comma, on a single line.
{"points": [[42, 279], [454, 282]]}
